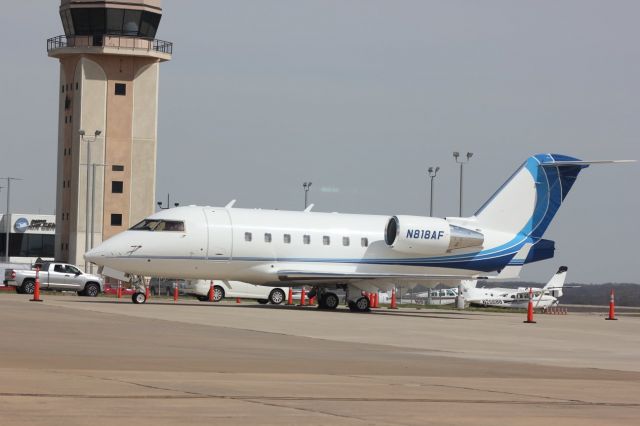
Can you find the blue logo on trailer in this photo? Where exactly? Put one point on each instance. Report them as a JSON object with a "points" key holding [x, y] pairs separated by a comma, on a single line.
{"points": [[21, 225]]}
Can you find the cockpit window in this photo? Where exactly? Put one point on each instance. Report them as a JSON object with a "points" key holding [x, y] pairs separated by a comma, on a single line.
{"points": [[159, 225]]}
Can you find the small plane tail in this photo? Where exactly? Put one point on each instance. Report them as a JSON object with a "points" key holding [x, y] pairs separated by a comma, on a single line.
{"points": [[554, 286]]}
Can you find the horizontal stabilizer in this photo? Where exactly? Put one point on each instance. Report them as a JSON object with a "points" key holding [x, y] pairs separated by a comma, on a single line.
{"points": [[583, 162], [513, 268]]}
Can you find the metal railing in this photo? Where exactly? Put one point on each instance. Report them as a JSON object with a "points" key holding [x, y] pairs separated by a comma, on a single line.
{"points": [[111, 41]]}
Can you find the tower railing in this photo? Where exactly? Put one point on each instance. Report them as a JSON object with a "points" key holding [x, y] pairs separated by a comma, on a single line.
{"points": [[111, 41]]}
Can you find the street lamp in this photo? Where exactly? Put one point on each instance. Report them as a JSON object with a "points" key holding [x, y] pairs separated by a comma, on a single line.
{"points": [[168, 204], [432, 172], [461, 161], [306, 186], [7, 223], [88, 205]]}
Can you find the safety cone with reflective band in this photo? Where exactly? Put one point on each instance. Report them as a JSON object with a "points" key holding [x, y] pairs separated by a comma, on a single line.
{"points": [[237, 300], [612, 308], [147, 292], [36, 288], [290, 296], [303, 295], [312, 301], [394, 302], [530, 309], [175, 292], [211, 290]]}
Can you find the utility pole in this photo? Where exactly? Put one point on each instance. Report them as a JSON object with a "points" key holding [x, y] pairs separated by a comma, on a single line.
{"points": [[7, 223], [306, 186], [462, 162], [432, 172]]}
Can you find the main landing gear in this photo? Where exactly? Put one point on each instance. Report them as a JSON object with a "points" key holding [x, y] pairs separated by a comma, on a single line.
{"points": [[356, 301]]}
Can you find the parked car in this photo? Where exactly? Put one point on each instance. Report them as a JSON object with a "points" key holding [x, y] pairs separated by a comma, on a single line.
{"points": [[55, 276], [165, 286], [233, 289]]}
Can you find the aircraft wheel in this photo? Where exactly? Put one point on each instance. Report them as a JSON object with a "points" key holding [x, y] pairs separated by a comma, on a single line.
{"points": [[360, 305], [329, 301], [277, 296], [138, 298]]}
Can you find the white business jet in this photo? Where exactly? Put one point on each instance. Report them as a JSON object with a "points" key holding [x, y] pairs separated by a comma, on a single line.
{"points": [[356, 252], [518, 298]]}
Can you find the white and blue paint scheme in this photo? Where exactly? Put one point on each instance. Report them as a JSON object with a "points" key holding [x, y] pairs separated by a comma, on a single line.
{"points": [[360, 252]]}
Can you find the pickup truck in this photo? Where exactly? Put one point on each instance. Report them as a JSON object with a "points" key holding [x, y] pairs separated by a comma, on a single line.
{"points": [[55, 276]]}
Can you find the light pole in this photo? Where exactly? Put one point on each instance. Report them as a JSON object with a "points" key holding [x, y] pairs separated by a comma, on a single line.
{"points": [[461, 161], [306, 186], [168, 204], [432, 172], [7, 223], [88, 207], [93, 199]]}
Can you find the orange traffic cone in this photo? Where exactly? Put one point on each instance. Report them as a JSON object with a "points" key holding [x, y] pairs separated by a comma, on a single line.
{"points": [[530, 309], [394, 302], [211, 290], [175, 293], [237, 300], [147, 292], [303, 295], [612, 308], [290, 296], [36, 289]]}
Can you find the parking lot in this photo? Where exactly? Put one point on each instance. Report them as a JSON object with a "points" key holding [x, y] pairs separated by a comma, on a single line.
{"points": [[71, 358]]}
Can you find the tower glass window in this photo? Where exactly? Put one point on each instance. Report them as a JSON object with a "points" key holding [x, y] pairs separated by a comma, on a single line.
{"points": [[116, 186], [121, 89], [116, 219], [110, 21]]}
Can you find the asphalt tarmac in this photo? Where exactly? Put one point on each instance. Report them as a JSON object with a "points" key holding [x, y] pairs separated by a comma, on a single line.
{"points": [[77, 361]]}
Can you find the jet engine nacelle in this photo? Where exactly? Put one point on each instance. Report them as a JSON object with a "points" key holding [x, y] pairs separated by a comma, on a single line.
{"points": [[429, 236]]}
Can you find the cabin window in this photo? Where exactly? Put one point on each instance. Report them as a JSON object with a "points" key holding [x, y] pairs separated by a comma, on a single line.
{"points": [[247, 236], [287, 238], [306, 239], [267, 238], [364, 242], [345, 241], [326, 240]]}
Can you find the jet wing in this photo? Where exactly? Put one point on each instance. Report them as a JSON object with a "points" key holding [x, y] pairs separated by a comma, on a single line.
{"points": [[317, 276]]}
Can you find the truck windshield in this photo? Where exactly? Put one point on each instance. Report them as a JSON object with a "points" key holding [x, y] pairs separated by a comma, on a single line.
{"points": [[159, 225]]}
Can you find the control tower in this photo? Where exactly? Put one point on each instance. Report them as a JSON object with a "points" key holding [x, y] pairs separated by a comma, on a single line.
{"points": [[107, 132]]}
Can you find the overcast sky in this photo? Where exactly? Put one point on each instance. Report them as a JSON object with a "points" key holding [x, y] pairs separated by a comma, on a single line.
{"points": [[361, 97]]}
